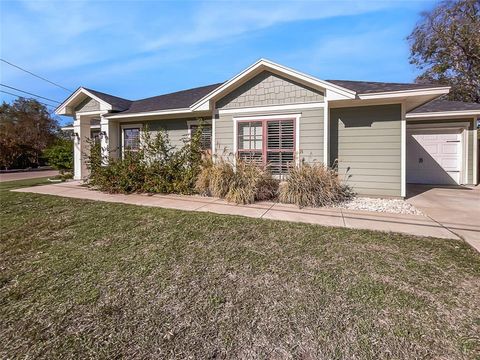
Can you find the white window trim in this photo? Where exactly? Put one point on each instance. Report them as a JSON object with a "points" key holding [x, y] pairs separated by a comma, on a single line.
{"points": [[463, 127], [475, 152], [129, 126], [403, 152], [326, 135], [297, 117]]}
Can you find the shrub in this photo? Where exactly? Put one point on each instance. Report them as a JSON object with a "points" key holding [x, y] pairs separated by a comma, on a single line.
{"points": [[313, 185], [157, 167], [60, 155], [242, 185]]}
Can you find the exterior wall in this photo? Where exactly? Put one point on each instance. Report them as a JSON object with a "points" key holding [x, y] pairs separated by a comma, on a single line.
{"points": [[176, 129], [471, 142], [88, 104], [269, 89], [310, 133], [366, 140]]}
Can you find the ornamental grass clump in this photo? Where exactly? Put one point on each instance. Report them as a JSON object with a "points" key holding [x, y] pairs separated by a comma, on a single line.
{"points": [[314, 186], [243, 184]]}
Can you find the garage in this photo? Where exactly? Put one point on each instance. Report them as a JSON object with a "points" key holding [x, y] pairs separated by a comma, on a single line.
{"points": [[436, 155]]}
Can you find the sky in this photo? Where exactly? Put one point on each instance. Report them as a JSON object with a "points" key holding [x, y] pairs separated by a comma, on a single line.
{"points": [[138, 49]]}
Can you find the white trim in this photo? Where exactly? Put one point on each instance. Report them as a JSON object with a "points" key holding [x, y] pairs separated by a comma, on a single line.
{"points": [[406, 93], [122, 135], [297, 117], [463, 127], [151, 113], [214, 132], [264, 64], [465, 148], [475, 152], [443, 113], [403, 152], [326, 135], [62, 108], [273, 108]]}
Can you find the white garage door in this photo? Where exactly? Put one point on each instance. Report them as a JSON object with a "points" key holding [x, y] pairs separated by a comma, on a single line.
{"points": [[434, 156]]}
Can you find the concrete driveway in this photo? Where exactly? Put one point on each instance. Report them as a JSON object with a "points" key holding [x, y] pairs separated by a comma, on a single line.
{"points": [[455, 208]]}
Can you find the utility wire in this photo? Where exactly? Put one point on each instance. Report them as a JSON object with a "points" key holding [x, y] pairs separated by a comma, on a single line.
{"points": [[18, 96], [37, 76], [29, 93]]}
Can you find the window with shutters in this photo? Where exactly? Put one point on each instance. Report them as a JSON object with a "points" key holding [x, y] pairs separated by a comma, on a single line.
{"points": [[268, 142], [206, 138]]}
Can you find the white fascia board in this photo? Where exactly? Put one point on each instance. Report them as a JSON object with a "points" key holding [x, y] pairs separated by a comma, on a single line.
{"points": [[405, 93], [264, 64], [443, 114], [151, 113], [61, 109]]}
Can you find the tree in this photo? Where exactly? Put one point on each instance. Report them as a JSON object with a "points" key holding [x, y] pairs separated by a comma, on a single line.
{"points": [[446, 46], [26, 130], [60, 155]]}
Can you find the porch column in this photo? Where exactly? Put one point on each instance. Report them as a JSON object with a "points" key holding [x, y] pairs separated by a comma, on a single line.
{"points": [[81, 129], [111, 138]]}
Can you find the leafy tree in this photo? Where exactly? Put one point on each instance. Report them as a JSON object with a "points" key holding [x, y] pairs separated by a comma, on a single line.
{"points": [[26, 130], [446, 46], [60, 155]]}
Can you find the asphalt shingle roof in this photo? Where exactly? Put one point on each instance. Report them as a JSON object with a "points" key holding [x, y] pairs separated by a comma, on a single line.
{"points": [[177, 100], [369, 87], [445, 105], [117, 102]]}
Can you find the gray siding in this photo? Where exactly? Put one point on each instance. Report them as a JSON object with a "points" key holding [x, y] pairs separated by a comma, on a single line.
{"points": [[310, 135], [366, 141], [269, 89], [88, 104], [176, 129]]}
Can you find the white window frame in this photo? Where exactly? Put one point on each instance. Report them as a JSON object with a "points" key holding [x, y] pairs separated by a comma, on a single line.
{"points": [[297, 118], [129, 126]]}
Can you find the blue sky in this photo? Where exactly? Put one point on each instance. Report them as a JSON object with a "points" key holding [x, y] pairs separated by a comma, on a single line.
{"points": [[137, 49]]}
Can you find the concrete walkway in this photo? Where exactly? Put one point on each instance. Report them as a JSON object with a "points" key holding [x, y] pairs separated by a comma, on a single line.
{"points": [[409, 224]]}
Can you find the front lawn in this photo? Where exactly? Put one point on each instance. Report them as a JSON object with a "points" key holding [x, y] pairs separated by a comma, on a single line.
{"points": [[84, 279]]}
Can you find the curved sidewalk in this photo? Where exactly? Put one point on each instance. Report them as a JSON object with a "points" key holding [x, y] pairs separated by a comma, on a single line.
{"points": [[409, 224]]}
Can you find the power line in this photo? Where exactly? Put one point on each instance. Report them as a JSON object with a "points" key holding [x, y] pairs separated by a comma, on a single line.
{"points": [[18, 96], [29, 93], [38, 76]]}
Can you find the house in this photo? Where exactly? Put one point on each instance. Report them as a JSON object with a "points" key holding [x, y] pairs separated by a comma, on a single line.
{"points": [[383, 135]]}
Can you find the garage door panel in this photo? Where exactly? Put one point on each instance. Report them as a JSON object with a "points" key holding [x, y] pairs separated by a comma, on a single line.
{"points": [[434, 156]]}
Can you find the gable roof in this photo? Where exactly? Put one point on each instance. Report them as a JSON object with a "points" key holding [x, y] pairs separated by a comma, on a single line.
{"points": [[370, 87], [117, 102]]}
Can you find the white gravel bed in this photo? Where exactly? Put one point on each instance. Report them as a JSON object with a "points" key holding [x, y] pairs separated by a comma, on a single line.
{"points": [[395, 206]]}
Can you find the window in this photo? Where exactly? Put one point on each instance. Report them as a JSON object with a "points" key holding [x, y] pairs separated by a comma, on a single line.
{"points": [[206, 138], [267, 142], [131, 139]]}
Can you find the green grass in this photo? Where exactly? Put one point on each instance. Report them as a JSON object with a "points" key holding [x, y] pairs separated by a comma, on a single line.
{"points": [[84, 279]]}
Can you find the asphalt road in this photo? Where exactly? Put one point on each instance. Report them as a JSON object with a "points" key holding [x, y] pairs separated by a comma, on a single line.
{"points": [[27, 175]]}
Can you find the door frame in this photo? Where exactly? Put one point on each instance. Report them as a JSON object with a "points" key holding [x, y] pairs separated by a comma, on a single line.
{"points": [[462, 127]]}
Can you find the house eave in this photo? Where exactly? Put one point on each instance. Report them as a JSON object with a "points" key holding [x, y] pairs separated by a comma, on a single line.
{"points": [[443, 114], [438, 91]]}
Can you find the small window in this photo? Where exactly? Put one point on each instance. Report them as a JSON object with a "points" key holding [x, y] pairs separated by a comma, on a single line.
{"points": [[206, 138], [131, 139]]}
